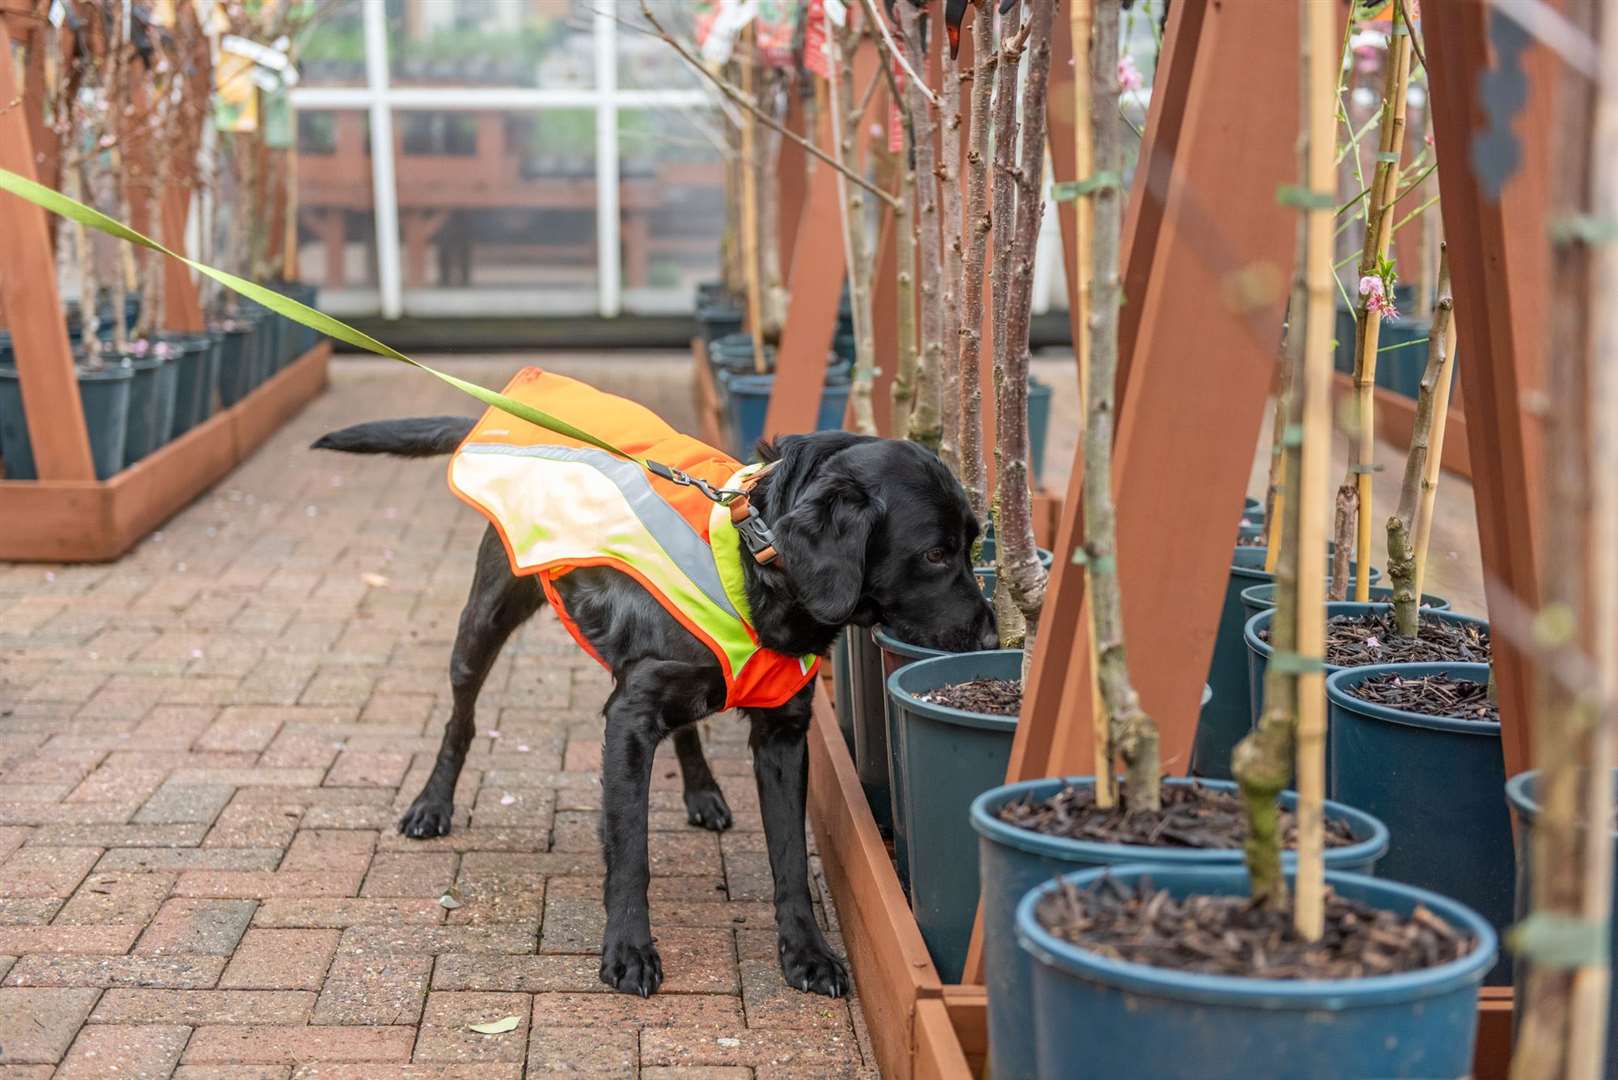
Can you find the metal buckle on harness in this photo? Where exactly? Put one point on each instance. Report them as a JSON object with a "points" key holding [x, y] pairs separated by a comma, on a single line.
{"points": [[749, 525]]}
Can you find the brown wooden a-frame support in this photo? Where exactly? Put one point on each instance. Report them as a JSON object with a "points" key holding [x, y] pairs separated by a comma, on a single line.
{"points": [[1208, 254], [67, 515]]}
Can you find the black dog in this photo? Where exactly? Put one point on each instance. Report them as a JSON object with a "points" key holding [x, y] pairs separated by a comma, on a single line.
{"points": [[869, 531]]}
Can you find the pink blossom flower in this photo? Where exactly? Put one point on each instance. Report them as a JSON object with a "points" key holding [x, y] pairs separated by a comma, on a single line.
{"points": [[1129, 76], [1376, 298]]}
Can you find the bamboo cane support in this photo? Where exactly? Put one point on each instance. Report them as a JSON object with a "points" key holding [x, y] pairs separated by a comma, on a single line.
{"points": [[1315, 463], [750, 222]]}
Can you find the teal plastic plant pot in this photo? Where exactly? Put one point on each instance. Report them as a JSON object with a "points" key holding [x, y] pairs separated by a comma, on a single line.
{"points": [[892, 655], [1402, 355], [1258, 658], [733, 355], [748, 397], [151, 406], [947, 758], [1439, 781], [1522, 794], [104, 396], [1257, 598], [1101, 1017], [718, 318], [238, 355], [1227, 717], [193, 389], [842, 688], [1013, 860], [5, 349], [1039, 426]]}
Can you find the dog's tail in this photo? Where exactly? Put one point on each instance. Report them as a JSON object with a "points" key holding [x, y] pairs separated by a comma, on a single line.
{"points": [[420, 436]]}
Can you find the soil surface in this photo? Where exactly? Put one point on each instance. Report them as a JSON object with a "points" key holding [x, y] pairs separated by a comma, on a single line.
{"points": [[1357, 640], [1230, 935], [1430, 695], [1256, 540], [1193, 816], [993, 697]]}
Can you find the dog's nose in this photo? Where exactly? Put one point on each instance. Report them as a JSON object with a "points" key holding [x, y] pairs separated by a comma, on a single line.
{"points": [[988, 632]]}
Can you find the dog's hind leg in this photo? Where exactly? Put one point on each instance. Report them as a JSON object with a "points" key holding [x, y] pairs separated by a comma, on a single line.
{"points": [[704, 803], [652, 698], [779, 739], [498, 603]]}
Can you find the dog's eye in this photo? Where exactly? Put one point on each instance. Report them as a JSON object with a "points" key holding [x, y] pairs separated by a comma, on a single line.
{"points": [[937, 556]]}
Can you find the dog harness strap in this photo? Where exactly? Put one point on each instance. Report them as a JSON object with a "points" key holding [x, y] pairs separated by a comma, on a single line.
{"points": [[559, 505]]}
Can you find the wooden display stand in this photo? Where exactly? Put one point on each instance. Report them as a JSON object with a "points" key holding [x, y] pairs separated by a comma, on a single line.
{"points": [[67, 515], [1195, 375]]}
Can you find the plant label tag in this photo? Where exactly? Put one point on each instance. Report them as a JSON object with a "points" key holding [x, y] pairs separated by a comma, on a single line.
{"points": [[733, 17], [837, 12], [58, 14], [274, 59]]}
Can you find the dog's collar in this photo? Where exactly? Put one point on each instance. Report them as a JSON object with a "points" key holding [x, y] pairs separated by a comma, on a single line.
{"points": [[749, 523]]}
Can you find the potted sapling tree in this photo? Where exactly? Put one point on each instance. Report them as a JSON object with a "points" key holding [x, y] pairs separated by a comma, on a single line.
{"points": [[1265, 969], [1418, 744], [1032, 830]]}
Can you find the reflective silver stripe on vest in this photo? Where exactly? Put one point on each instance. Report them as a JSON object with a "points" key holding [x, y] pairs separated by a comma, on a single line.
{"points": [[676, 536]]}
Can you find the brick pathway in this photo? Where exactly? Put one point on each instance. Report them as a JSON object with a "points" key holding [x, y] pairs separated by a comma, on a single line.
{"points": [[204, 748]]}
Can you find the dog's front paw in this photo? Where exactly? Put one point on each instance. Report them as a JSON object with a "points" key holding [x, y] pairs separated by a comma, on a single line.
{"points": [[707, 807], [631, 969], [812, 968], [426, 819]]}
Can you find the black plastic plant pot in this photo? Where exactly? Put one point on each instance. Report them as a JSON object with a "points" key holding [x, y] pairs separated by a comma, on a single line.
{"points": [[1257, 598], [883, 741], [151, 405], [856, 682], [1523, 794], [947, 757], [192, 387], [1258, 658], [1439, 781], [733, 354], [1014, 860], [1227, 717], [1096, 1016], [1039, 427], [238, 355], [104, 396]]}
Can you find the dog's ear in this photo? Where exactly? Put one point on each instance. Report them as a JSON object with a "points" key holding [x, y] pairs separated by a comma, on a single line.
{"points": [[822, 539]]}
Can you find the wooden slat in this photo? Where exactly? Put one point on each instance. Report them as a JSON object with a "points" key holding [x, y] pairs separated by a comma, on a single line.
{"points": [[710, 416], [969, 1014], [1501, 266], [938, 1048], [791, 176], [33, 310], [891, 965], [1491, 1057], [87, 521], [182, 308]]}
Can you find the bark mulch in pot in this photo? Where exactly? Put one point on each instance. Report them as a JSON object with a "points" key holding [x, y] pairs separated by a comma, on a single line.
{"points": [[1231, 935], [1256, 540], [993, 697], [1193, 816], [1429, 695], [1357, 640]]}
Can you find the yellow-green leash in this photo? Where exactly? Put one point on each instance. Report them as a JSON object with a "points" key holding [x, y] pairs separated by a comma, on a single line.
{"points": [[757, 535], [57, 203]]}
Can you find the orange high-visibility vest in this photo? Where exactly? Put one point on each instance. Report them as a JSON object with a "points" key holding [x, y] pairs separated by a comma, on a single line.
{"points": [[559, 504]]}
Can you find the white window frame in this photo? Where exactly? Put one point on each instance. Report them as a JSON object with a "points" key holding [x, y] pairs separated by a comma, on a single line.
{"points": [[381, 99]]}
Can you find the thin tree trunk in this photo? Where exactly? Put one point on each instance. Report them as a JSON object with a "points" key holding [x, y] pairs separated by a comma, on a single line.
{"points": [[1008, 616], [1354, 498], [949, 180], [925, 424], [1133, 733], [903, 393], [774, 293], [1564, 1003], [1402, 524], [1274, 501], [846, 117], [974, 468], [750, 218]]}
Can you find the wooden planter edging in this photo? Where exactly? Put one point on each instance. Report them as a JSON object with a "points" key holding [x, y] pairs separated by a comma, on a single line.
{"points": [[80, 521], [1396, 416], [921, 1028]]}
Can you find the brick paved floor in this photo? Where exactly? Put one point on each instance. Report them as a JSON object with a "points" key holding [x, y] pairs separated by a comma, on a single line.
{"points": [[204, 748]]}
